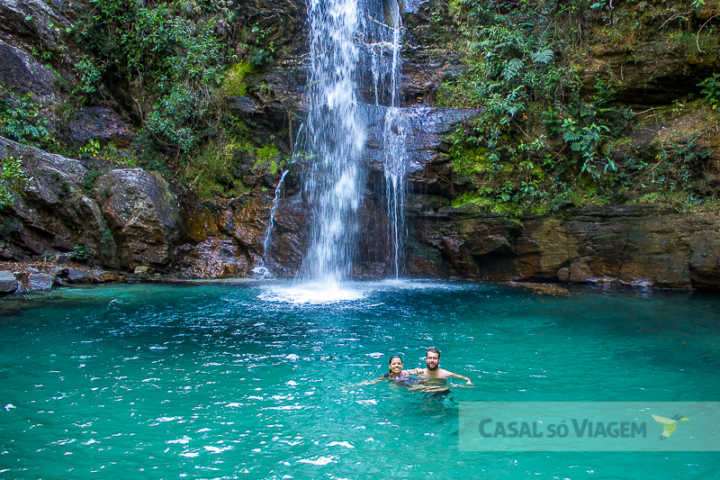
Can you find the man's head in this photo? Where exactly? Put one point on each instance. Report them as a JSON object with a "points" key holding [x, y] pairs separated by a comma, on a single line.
{"points": [[432, 358]]}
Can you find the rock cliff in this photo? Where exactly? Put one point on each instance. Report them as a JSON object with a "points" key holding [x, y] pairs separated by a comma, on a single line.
{"points": [[105, 211]]}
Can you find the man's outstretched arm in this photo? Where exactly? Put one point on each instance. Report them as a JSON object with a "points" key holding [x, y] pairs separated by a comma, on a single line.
{"points": [[462, 377]]}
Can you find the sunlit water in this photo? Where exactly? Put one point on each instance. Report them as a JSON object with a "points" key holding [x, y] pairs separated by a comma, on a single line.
{"points": [[255, 380]]}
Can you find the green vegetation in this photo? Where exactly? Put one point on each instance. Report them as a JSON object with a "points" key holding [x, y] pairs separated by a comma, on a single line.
{"points": [[80, 253], [543, 139], [234, 82], [90, 77], [217, 170], [21, 120], [176, 63], [12, 181], [711, 90], [89, 180], [170, 60]]}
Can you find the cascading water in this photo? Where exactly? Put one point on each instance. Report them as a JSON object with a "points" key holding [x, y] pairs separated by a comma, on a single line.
{"points": [[335, 139], [394, 148], [273, 211], [349, 40]]}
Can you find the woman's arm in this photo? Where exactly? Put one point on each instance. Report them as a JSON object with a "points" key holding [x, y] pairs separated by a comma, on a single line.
{"points": [[372, 382]]}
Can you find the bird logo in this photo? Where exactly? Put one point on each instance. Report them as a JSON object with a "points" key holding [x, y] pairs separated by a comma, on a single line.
{"points": [[669, 424]]}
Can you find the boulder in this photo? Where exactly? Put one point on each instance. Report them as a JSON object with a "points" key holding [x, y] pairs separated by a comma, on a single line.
{"points": [[246, 220], [33, 20], [580, 272], [215, 257], [20, 72], [142, 215], [53, 217], [77, 275], [40, 281], [103, 276], [563, 274], [8, 282], [101, 124]]}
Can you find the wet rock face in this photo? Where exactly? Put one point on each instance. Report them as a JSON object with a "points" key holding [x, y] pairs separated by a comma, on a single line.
{"points": [[142, 214], [245, 221], [630, 245], [424, 131], [428, 58], [290, 237]]}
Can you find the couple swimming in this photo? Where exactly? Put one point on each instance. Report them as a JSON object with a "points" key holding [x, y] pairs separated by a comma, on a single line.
{"points": [[431, 379]]}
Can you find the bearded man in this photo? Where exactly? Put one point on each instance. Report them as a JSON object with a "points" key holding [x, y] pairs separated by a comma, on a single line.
{"points": [[433, 375]]}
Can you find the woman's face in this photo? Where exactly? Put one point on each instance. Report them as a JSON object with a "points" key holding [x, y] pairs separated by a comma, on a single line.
{"points": [[396, 366]]}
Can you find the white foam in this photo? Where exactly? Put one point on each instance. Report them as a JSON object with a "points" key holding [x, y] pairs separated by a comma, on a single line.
{"points": [[213, 449], [318, 461], [167, 419], [340, 444], [180, 441], [311, 292]]}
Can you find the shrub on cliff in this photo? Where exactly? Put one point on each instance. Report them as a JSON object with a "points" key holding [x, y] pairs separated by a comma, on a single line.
{"points": [[547, 135], [12, 180]]}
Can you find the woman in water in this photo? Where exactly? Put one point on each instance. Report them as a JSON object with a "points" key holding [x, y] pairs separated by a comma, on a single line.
{"points": [[396, 374]]}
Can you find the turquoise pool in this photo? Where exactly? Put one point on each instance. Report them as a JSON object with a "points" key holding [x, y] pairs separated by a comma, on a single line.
{"points": [[256, 380]]}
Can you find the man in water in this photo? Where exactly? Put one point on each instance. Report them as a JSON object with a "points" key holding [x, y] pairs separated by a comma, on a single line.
{"points": [[433, 377]]}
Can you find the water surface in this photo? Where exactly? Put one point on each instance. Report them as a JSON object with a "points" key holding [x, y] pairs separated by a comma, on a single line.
{"points": [[256, 380]]}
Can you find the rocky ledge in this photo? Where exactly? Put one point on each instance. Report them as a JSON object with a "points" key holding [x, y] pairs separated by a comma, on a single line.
{"points": [[633, 245], [18, 278]]}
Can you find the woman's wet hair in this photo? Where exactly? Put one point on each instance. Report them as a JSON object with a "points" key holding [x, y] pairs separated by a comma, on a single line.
{"points": [[393, 357]]}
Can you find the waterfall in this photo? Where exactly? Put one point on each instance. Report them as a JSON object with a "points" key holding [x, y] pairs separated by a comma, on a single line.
{"points": [[394, 148], [336, 134], [260, 269], [353, 72], [273, 211]]}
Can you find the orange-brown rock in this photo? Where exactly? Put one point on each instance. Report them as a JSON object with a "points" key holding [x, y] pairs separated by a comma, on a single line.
{"points": [[215, 257], [634, 245]]}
